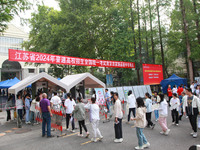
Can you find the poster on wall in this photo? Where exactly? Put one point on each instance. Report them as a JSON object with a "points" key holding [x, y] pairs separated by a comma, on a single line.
{"points": [[100, 96], [126, 90], [152, 74], [121, 93]]}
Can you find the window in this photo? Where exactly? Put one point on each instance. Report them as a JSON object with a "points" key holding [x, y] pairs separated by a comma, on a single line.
{"points": [[50, 70], [41, 70], [31, 70]]}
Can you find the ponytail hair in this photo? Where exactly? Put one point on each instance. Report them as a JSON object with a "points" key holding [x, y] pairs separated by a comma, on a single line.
{"points": [[148, 95], [69, 96]]}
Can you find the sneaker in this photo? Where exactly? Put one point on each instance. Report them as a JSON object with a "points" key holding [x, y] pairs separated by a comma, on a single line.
{"points": [[195, 135], [152, 127], [101, 137], [177, 124], [72, 131], [162, 132], [80, 135], [186, 117], [117, 141], [173, 123], [67, 129], [167, 132], [121, 140], [191, 133], [146, 145], [156, 120], [50, 136], [88, 134], [138, 147], [94, 140]]}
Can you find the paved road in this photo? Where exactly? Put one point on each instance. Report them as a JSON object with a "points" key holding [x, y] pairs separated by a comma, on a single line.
{"points": [[178, 139]]}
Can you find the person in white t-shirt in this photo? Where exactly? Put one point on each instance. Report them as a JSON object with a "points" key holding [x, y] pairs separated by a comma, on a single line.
{"points": [[56, 102], [94, 118], [131, 104], [192, 87], [19, 106], [69, 106], [174, 90], [175, 103]]}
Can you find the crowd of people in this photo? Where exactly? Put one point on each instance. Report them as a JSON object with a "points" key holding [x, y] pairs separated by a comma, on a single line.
{"points": [[182, 101]]}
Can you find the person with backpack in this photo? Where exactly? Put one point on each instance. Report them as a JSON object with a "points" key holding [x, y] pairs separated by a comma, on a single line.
{"points": [[94, 119], [191, 107], [69, 106]]}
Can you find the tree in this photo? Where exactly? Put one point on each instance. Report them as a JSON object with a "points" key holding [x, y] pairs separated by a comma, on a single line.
{"points": [[9, 8]]}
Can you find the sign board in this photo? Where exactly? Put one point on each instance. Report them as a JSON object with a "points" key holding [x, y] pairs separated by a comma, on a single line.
{"points": [[152, 74], [35, 57], [121, 93], [126, 90], [100, 96]]}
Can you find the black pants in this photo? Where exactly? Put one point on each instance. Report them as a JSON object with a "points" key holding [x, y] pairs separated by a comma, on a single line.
{"points": [[20, 113], [148, 117], [169, 99], [175, 117], [118, 129], [82, 124], [193, 122], [68, 117], [8, 115], [129, 113]]}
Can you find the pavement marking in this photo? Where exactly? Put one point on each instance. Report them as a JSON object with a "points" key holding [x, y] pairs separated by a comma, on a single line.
{"points": [[2, 134], [70, 135], [8, 131], [98, 139], [15, 128]]}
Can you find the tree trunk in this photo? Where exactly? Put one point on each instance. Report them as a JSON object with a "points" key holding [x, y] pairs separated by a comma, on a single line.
{"points": [[160, 35], [134, 41], [152, 41], [145, 28], [139, 37], [187, 42], [196, 20]]}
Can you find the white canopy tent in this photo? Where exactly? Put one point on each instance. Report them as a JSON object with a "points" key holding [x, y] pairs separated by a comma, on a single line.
{"points": [[34, 78], [90, 81]]}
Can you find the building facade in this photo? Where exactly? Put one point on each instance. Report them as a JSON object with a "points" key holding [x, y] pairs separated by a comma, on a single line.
{"points": [[13, 38]]}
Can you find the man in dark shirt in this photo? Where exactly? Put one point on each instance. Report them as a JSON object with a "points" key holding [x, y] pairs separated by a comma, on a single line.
{"points": [[46, 115]]}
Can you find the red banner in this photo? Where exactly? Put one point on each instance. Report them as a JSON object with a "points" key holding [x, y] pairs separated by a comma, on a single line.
{"points": [[35, 57], [152, 74]]}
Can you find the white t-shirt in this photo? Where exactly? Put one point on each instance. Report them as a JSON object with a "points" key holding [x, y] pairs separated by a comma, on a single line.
{"points": [[94, 111], [19, 104], [192, 88], [56, 101], [33, 105], [70, 106], [174, 90], [131, 101]]}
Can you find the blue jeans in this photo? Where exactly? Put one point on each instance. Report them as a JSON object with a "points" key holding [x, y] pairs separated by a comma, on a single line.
{"points": [[108, 106], [32, 117], [27, 115], [19, 111], [141, 137], [156, 112], [46, 121]]}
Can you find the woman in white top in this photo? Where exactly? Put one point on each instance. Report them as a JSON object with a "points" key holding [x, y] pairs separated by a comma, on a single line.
{"points": [[131, 104], [118, 118], [174, 90], [94, 118], [175, 103], [69, 106], [19, 106], [32, 111]]}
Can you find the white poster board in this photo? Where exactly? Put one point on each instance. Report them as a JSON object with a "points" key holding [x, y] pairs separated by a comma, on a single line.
{"points": [[136, 92], [149, 89], [100, 96], [126, 90], [121, 93], [112, 89]]}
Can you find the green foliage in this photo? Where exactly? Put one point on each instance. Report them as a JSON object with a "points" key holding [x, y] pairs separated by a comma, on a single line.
{"points": [[9, 8]]}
